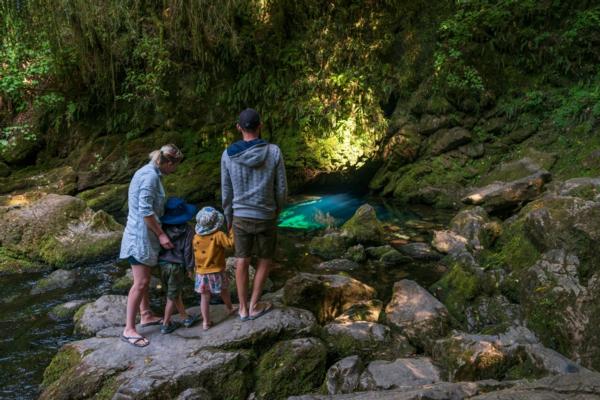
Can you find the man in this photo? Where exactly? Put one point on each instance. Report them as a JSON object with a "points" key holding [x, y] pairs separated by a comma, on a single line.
{"points": [[254, 189]]}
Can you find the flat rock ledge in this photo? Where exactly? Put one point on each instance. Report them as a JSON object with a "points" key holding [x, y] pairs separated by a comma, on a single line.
{"points": [[186, 359]]}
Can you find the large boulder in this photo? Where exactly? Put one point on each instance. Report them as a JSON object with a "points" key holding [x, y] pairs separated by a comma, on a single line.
{"points": [[107, 311], [189, 358], [403, 372], [329, 246], [368, 339], [514, 354], [344, 375], [57, 229], [419, 315], [364, 227], [445, 140], [291, 367], [59, 279], [326, 296]]}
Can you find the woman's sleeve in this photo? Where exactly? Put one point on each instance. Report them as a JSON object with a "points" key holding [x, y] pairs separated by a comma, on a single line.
{"points": [[148, 191]]}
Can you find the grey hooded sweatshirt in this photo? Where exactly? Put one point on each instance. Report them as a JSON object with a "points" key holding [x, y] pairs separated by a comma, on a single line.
{"points": [[253, 182]]}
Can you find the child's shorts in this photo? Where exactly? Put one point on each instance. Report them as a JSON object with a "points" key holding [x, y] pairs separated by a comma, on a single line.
{"points": [[173, 279], [211, 283]]}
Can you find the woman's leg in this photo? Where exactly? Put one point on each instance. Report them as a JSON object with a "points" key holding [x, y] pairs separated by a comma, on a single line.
{"points": [[141, 280]]}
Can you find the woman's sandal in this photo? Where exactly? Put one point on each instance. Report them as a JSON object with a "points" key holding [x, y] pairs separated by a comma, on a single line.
{"points": [[136, 340]]}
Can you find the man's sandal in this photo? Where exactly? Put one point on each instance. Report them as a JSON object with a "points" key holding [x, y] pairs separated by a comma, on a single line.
{"points": [[136, 340], [157, 322], [265, 309]]}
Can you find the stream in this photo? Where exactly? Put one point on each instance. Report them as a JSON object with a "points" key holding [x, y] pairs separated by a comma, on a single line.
{"points": [[30, 338]]}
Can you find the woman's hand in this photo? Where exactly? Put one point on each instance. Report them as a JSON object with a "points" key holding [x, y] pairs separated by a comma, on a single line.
{"points": [[165, 242]]}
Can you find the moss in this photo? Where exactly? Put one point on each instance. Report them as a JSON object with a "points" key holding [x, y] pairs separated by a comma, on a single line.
{"points": [[287, 370], [456, 289], [514, 249], [79, 313], [66, 359], [110, 198], [12, 263], [329, 246], [108, 390]]}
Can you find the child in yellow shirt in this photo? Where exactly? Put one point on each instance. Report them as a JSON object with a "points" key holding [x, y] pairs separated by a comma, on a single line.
{"points": [[209, 253]]}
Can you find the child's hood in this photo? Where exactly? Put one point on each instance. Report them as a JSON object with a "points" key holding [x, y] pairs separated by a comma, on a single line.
{"points": [[175, 232]]}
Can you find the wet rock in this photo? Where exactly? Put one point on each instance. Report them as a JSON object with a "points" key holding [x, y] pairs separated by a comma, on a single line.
{"points": [[340, 264], [66, 310], [291, 367], [500, 196], [356, 253], [326, 296], [386, 375], [361, 311], [57, 229], [59, 279], [584, 386], [419, 315], [448, 242], [445, 140], [475, 225], [368, 339], [329, 246], [420, 251], [513, 354], [107, 311], [344, 375], [364, 227]]}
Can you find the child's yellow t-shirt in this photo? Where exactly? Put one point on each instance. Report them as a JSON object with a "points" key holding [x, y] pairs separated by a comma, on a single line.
{"points": [[209, 251]]}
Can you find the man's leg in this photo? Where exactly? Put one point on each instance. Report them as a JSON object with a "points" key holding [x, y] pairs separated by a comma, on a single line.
{"points": [[262, 273], [241, 279]]}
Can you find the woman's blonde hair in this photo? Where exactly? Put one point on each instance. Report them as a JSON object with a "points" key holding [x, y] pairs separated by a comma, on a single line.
{"points": [[169, 152]]}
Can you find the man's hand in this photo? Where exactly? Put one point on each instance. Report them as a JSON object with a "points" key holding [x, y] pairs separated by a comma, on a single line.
{"points": [[165, 242]]}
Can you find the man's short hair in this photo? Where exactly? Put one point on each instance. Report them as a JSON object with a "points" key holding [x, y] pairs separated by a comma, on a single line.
{"points": [[249, 119]]}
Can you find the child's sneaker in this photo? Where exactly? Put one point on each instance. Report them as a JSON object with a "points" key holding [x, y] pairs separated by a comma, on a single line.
{"points": [[164, 329], [190, 320]]}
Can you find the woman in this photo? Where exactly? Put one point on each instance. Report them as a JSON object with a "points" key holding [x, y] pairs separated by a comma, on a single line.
{"points": [[144, 236]]}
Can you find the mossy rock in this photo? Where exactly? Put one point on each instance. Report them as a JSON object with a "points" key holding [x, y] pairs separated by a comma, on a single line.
{"points": [[329, 246], [290, 368], [356, 253], [66, 310], [364, 227], [64, 361], [61, 180], [111, 198], [11, 263]]}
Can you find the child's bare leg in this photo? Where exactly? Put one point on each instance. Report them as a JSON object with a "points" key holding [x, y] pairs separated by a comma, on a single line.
{"points": [[204, 308], [169, 308], [226, 297], [181, 308]]}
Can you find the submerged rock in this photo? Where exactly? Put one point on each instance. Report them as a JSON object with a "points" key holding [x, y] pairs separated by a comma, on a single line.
{"points": [[291, 367], [356, 253], [66, 310], [364, 227], [420, 251], [339, 264], [59, 279], [57, 229], [326, 296], [107, 311], [419, 315]]}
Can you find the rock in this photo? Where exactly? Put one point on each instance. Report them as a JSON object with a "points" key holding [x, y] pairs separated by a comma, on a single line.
{"points": [[368, 339], [364, 227], [513, 354], [592, 160], [344, 375], [66, 310], [584, 188], [402, 148], [445, 140], [448, 242], [472, 150], [62, 180], [291, 367], [494, 125], [580, 386], [486, 312], [326, 296], [195, 394], [386, 375], [230, 270], [4, 170], [330, 246], [378, 251], [475, 226], [361, 311], [12, 264], [123, 284], [59, 279], [111, 198], [512, 171], [500, 196], [394, 258], [420, 251], [187, 358], [429, 124], [60, 230], [107, 311], [22, 145], [356, 253], [419, 315], [340, 264]]}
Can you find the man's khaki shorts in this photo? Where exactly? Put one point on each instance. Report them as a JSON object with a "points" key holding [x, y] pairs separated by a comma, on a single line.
{"points": [[251, 234]]}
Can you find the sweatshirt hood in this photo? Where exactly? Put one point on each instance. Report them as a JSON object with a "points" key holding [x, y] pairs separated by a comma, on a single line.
{"points": [[251, 153], [175, 231]]}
